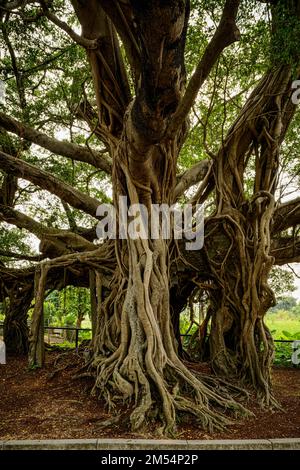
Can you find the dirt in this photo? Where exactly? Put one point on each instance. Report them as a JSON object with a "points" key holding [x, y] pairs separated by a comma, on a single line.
{"points": [[37, 405]]}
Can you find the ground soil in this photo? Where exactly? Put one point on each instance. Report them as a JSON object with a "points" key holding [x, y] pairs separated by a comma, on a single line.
{"points": [[39, 405]]}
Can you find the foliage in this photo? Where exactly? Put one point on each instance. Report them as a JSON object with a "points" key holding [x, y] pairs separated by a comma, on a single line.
{"points": [[13, 240], [281, 281], [65, 307], [283, 350], [284, 322], [284, 303]]}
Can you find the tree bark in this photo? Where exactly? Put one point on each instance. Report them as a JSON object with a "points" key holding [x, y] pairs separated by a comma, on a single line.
{"points": [[135, 355], [15, 322], [135, 352], [240, 342]]}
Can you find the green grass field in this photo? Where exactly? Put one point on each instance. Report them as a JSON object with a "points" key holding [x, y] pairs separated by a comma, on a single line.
{"points": [[283, 325], [282, 322]]}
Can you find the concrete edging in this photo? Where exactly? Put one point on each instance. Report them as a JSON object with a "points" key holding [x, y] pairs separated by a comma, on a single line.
{"points": [[147, 444]]}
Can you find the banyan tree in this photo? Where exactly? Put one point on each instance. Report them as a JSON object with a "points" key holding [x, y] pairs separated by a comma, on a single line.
{"points": [[161, 102]]}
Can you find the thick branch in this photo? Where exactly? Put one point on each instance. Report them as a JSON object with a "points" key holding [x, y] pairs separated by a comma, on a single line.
{"points": [[54, 242], [163, 74], [227, 33], [45, 180], [20, 256], [82, 41], [121, 15], [191, 176], [109, 74], [23, 221], [287, 215], [65, 149], [286, 250]]}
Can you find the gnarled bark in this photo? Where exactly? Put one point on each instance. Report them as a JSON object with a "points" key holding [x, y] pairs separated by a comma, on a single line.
{"points": [[240, 342], [15, 329]]}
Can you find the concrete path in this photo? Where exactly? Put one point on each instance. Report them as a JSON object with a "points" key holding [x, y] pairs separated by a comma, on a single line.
{"points": [[147, 444]]}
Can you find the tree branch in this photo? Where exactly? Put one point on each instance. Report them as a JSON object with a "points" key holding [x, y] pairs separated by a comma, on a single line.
{"points": [[70, 217], [65, 149], [192, 176], [22, 221], [82, 41], [54, 242], [109, 73], [120, 13], [10, 6], [18, 75], [226, 34], [10, 254], [286, 250], [287, 215], [45, 180]]}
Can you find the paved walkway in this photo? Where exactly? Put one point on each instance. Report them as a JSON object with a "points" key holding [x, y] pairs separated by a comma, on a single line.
{"points": [[147, 444]]}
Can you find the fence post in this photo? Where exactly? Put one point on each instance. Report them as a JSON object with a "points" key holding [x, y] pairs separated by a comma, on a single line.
{"points": [[40, 347], [92, 280], [76, 338]]}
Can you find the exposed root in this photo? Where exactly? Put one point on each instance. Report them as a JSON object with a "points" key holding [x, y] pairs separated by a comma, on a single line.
{"points": [[109, 422], [144, 370], [83, 375]]}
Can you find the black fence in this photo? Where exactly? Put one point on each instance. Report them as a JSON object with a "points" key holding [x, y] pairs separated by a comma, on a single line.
{"points": [[55, 329], [66, 328]]}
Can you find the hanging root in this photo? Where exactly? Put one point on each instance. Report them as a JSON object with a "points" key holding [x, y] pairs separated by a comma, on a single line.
{"points": [[144, 370], [167, 393]]}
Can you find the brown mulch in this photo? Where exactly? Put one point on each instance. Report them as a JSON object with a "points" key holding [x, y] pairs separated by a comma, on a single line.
{"points": [[36, 405]]}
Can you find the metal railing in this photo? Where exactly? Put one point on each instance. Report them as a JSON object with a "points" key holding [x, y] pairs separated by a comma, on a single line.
{"points": [[77, 330], [69, 328]]}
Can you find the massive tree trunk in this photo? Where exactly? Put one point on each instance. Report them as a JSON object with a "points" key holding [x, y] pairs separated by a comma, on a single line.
{"points": [[15, 330], [239, 233], [240, 342], [134, 348]]}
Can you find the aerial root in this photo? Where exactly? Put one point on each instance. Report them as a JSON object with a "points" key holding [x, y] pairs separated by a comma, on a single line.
{"points": [[170, 399]]}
